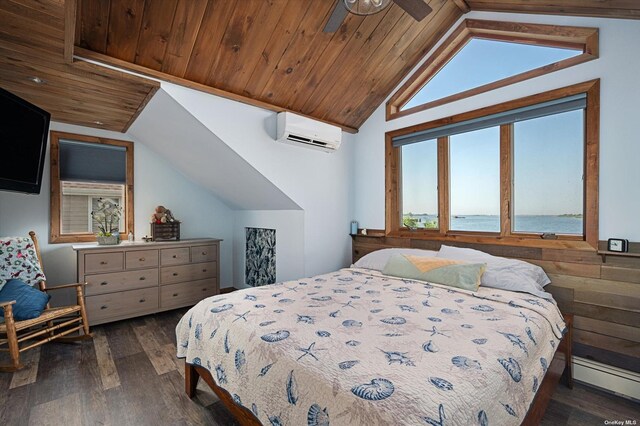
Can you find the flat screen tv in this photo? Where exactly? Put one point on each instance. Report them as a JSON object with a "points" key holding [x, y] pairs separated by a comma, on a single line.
{"points": [[23, 144]]}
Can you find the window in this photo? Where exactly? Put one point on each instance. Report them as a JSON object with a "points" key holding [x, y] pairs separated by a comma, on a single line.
{"points": [[474, 167], [520, 171], [490, 60], [79, 199], [548, 165], [85, 170], [420, 186], [484, 55]]}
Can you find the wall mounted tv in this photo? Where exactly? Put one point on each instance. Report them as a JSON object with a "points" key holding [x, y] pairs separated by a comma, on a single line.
{"points": [[23, 144]]}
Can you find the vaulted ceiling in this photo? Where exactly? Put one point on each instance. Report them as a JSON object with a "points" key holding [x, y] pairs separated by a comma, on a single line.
{"points": [[269, 53]]}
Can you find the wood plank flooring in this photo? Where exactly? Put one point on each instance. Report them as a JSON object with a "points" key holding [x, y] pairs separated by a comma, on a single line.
{"points": [[128, 375]]}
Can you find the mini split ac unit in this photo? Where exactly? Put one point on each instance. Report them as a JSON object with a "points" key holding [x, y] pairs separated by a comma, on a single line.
{"points": [[301, 131]]}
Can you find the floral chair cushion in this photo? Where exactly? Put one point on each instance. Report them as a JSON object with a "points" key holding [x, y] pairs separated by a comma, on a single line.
{"points": [[18, 260]]}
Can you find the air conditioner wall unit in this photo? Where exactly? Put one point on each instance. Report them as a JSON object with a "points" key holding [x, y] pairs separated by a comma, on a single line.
{"points": [[301, 131]]}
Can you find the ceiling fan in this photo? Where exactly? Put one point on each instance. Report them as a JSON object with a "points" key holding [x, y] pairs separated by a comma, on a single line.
{"points": [[418, 9]]}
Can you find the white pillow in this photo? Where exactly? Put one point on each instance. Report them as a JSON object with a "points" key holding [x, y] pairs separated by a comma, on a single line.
{"points": [[379, 258], [503, 273]]}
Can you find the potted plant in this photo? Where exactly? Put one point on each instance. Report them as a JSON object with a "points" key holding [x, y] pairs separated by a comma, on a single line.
{"points": [[107, 215]]}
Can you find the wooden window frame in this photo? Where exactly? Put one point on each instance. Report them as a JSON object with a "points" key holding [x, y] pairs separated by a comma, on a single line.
{"points": [[578, 38], [393, 178], [55, 235]]}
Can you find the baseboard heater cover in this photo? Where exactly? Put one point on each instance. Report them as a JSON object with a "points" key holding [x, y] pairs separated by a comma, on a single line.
{"points": [[622, 382]]}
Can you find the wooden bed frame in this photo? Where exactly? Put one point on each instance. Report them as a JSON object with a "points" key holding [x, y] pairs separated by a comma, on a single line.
{"points": [[560, 365]]}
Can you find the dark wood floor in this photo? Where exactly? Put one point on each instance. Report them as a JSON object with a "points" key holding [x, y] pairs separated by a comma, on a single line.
{"points": [[128, 375]]}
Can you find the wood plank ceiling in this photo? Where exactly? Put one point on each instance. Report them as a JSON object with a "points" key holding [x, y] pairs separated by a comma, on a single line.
{"points": [[269, 53], [272, 51], [32, 45]]}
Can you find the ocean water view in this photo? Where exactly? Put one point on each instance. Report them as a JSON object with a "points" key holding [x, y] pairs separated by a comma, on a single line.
{"points": [[559, 224]]}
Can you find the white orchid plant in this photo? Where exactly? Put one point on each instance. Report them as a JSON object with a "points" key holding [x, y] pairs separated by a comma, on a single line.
{"points": [[108, 217]]}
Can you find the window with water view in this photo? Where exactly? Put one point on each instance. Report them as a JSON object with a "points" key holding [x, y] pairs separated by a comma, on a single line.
{"points": [[420, 185], [474, 170], [548, 164], [518, 172]]}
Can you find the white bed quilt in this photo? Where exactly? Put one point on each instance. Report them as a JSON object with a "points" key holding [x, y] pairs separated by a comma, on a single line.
{"points": [[355, 347]]}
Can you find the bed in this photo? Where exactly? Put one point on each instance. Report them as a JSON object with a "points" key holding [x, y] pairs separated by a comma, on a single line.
{"points": [[358, 347]]}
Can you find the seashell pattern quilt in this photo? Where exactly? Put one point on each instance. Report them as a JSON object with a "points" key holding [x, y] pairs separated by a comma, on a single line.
{"points": [[355, 347]]}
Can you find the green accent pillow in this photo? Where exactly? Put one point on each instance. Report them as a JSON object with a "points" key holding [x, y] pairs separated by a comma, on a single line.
{"points": [[436, 270]]}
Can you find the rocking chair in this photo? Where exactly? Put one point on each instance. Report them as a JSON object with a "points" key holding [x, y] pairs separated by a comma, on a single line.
{"points": [[53, 324]]}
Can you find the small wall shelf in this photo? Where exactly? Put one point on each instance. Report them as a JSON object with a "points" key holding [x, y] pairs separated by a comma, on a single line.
{"points": [[605, 253]]}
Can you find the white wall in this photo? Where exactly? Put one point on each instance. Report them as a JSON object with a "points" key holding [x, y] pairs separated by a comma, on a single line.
{"points": [[155, 182], [617, 68], [202, 214], [320, 183], [289, 226], [169, 129]]}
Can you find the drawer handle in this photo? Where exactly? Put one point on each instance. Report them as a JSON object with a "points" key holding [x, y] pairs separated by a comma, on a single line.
{"points": [[104, 262], [204, 289], [142, 278], [142, 300], [175, 274], [204, 253], [142, 259], [175, 256], [204, 270], [175, 294], [104, 283], [103, 307]]}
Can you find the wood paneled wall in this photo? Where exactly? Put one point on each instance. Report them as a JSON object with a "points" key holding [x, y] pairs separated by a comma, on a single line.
{"points": [[603, 296]]}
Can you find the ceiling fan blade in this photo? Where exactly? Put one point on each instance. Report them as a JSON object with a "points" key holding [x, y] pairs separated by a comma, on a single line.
{"points": [[418, 9], [336, 18]]}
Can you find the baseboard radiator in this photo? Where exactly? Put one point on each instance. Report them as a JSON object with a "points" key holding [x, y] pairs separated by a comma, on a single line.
{"points": [[622, 382]]}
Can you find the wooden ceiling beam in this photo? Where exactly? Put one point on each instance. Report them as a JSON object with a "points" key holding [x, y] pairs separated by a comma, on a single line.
{"points": [[623, 9], [118, 63], [70, 8], [462, 5]]}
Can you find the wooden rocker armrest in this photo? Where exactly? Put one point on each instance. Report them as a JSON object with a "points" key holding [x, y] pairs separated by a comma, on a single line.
{"points": [[58, 287], [5, 304]]}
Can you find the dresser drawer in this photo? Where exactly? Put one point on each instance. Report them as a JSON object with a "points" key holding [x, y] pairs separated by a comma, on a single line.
{"points": [[103, 262], [174, 256], [122, 304], [183, 273], [204, 253], [120, 281], [141, 259], [185, 294]]}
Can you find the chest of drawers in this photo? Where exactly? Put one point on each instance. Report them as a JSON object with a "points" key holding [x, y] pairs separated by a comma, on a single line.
{"points": [[134, 279]]}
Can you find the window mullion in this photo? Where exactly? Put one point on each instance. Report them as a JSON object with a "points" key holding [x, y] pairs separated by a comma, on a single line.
{"points": [[443, 185], [506, 178]]}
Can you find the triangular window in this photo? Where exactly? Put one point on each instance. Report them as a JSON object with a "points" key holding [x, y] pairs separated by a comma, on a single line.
{"points": [[484, 55], [482, 62]]}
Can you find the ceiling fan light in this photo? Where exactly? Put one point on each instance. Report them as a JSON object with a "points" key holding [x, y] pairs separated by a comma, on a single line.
{"points": [[366, 7]]}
